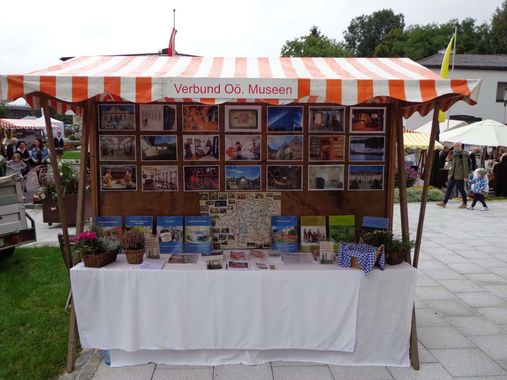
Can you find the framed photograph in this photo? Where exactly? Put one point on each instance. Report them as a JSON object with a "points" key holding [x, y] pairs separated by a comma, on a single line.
{"points": [[202, 178], [366, 177], [159, 148], [326, 177], [157, 117], [285, 119], [242, 178], [366, 148], [117, 147], [197, 118], [201, 147], [118, 178], [284, 178], [242, 147], [243, 118], [285, 148], [367, 120], [117, 117], [326, 119], [159, 178], [326, 148]]}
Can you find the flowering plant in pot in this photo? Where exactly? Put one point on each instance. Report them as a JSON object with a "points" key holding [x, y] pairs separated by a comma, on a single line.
{"points": [[133, 242], [96, 251], [395, 247]]}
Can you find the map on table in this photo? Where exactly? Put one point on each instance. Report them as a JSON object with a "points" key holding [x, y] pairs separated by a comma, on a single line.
{"points": [[240, 219]]}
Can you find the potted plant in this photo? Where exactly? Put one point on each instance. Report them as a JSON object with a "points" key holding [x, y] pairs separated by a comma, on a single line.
{"points": [[96, 251], [395, 247], [133, 241], [70, 180]]}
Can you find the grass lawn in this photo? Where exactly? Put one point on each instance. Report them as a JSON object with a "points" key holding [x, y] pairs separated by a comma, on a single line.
{"points": [[71, 154], [33, 322]]}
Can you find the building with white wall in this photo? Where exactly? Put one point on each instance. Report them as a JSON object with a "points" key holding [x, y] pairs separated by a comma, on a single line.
{"points": [[492, 69]]}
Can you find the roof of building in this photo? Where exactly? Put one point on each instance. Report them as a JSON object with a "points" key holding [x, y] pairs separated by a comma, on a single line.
{"points": [[469, 61]]}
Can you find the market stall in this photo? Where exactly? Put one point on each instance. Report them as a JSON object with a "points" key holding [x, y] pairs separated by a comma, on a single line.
{"points": [[315, 136]]}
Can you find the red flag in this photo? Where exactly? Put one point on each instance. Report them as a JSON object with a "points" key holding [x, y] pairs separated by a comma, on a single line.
{"points": [[171, 50]]}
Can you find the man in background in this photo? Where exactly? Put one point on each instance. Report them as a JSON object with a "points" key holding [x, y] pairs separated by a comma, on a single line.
{"points": [[458, 175], [59, 146]]}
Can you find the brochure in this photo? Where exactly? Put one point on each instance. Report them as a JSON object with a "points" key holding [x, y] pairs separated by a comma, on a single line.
{"points": [[284, 233], [170, 233], [313, 230], [183, 259], [144, 222], [111, 225], [152, 264], [371, 223], [342, 228], [238, 265], [198, 234]]}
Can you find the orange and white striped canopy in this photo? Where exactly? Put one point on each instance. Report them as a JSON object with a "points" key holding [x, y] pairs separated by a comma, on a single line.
{"points": [[214, 80]]}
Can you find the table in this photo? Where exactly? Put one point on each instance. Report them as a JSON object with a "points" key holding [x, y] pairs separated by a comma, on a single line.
{"points": [[185, 314]]}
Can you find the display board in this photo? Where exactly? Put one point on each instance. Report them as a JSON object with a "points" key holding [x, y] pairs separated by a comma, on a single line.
{"points": [[323, 159]]}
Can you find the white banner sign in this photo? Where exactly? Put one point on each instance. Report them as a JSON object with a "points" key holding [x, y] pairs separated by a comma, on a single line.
{"points": [[232, 88]]}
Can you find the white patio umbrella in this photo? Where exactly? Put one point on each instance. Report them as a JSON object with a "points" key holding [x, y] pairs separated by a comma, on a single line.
{"points": [[444, 126], [486, 133]]}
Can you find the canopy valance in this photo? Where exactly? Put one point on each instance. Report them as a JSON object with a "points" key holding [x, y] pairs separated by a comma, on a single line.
{"points": [[214, 80]]}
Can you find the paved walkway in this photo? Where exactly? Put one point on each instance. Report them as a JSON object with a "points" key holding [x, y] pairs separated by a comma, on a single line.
{"points": [[461, 312]]}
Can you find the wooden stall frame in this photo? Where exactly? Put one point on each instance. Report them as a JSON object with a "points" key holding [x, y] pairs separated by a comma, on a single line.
{"points": [[395, 103]]}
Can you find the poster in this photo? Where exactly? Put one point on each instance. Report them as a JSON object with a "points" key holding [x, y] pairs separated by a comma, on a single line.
{"points": [[157, 117], [367, 120], [159, 148], [198, 118], [284, 177], [117, 147], [285, 119], [366, 177], [325, 177], [201, 147], [285, 148], [243, 118], [326, 119], [118, 178], [366, 148], [242, 147], [243, 178], [202, 178], [159, 178], [117, 117], [326, 148]]}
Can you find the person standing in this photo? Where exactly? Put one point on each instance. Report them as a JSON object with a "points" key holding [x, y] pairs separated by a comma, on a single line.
{"points": [[11, 148], [500, 175], [58, 146], [24, 153], [458, 175]]}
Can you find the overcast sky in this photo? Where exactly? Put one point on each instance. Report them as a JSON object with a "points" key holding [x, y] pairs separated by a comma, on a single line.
{"points": [[35, 34]]}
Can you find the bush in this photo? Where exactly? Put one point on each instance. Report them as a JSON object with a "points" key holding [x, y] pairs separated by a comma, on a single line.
{"points": [[414, 194], [410, 175]]}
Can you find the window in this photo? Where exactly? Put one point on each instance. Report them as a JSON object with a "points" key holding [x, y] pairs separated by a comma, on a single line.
{"points": [[501, 92]]}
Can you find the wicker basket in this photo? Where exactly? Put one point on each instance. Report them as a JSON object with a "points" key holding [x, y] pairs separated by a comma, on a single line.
{"points": [[395, 258], [98, 260], [134, 256]]}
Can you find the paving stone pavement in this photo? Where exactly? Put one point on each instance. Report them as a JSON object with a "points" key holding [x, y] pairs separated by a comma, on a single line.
{"points": [[461, 306]]}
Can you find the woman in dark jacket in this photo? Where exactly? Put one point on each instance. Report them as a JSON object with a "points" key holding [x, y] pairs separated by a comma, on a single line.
{"points": [[500, 173]]}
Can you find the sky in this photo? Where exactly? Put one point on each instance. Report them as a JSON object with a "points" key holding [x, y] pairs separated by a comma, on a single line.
{"points": [[34, 34]]}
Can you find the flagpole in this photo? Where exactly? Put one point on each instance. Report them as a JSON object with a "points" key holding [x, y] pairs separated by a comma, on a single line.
{"points": [[453, 56], [174, 22]]}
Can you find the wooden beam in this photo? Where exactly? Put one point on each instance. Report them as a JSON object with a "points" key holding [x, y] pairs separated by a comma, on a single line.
{"points": [[427, 173], [414, 348], [83, 168], [391, 165], [91, 125], [71, 348], [402, 176]]}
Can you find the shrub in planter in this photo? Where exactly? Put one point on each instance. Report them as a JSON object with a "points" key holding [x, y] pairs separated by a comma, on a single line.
{"points": [[133, 242], [395, 247]]}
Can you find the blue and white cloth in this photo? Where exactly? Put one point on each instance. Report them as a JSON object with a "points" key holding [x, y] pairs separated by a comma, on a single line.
{"points": [[364, 253]]}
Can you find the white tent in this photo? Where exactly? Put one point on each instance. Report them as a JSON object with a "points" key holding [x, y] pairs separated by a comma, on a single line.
{"points": [[54, 122], [444, 126], [486, 133]]}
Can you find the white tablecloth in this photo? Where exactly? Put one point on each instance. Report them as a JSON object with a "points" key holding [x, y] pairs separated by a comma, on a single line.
{"points": [[185, 314]]}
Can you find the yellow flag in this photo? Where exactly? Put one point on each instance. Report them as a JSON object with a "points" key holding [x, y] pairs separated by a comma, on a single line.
{"points": [[444, 72]]}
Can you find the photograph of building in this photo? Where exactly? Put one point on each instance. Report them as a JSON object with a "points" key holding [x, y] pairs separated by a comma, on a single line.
{"points": [[366, 177], [285, 147], [243, 178]]}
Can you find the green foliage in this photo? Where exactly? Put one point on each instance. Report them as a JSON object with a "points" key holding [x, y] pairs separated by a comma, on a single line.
{"points": [[414, 194], [366, 32], [33, 323], [392, 243], [70, 181], [499, 29], [315, 44]]}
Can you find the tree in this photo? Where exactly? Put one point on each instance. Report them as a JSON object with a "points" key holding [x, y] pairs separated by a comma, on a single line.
{"points": [[393, 44], [499, 29], [366, 32], [315, 44]]}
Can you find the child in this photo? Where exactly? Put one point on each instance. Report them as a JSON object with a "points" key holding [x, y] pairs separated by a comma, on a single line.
{"points": [[479, 186], [17, 166]]}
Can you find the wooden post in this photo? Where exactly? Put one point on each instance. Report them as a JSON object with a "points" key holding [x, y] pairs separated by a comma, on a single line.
{"points": [[402, 175], [90, 123], [391, 168], [81, 195], [56, 177], [427, 172], [71, 348]]}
